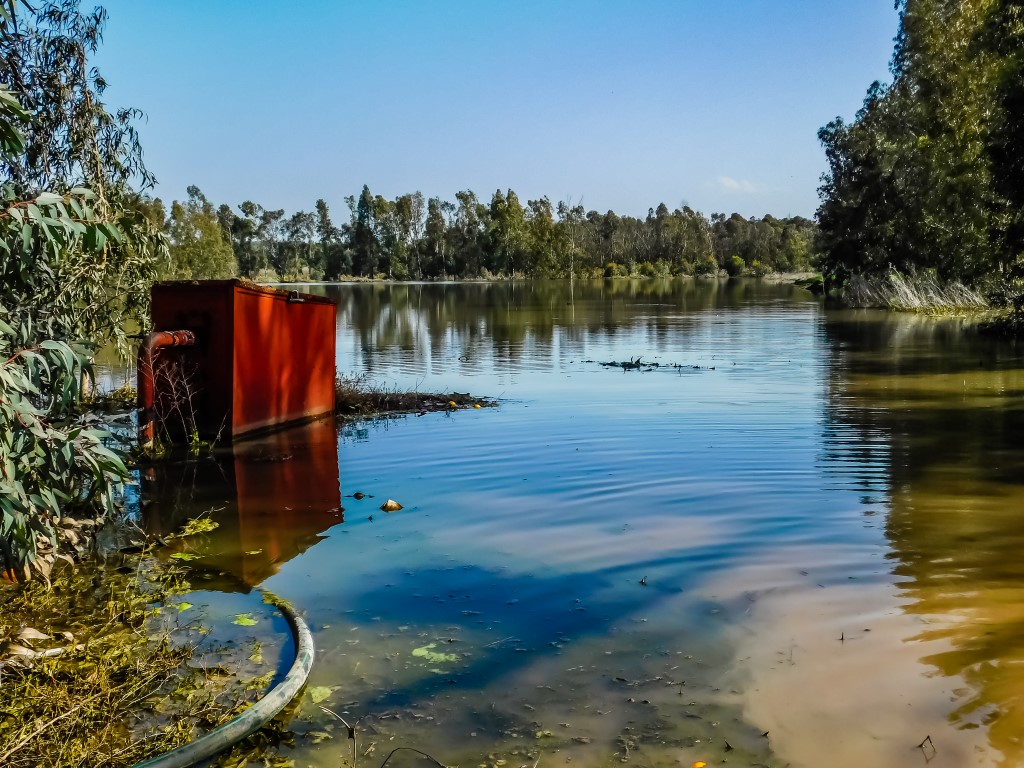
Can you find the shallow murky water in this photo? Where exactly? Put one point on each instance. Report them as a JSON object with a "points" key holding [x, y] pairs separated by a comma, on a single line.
{"points": [[795, 542]]}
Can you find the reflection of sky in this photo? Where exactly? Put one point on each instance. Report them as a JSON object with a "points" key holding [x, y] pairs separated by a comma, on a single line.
{"points": [[750, 494]]}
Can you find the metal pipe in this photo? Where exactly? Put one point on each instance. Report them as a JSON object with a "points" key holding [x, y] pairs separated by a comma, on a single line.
{"points": [[147, 381], [256, 716]]}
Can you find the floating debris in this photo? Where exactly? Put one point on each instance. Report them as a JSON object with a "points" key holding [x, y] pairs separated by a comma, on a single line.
{"points": [[391, 506], [638, 364]]}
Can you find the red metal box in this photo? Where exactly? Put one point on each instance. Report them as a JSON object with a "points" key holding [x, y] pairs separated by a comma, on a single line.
{"points": [[263, 357]]}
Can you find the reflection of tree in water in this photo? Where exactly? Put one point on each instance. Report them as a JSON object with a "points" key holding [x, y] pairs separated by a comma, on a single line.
{"points": [[944, 411], [483, 325]]}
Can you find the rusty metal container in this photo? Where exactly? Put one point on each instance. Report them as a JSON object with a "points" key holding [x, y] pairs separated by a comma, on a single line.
{"points": [[263, 357]]}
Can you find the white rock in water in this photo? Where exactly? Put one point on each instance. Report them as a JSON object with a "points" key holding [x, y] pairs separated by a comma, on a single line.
{"points": [[391, 506]]}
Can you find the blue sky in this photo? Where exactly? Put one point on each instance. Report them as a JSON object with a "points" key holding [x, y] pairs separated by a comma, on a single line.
{"points": [[715, 103]]}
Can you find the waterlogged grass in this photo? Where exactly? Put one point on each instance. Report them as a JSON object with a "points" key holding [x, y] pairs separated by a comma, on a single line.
{"points": [[917, 292], [104, 668], [358, 396]]}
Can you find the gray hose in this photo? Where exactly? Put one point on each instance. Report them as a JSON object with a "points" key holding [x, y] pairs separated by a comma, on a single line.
{"points": [[256, 716]]}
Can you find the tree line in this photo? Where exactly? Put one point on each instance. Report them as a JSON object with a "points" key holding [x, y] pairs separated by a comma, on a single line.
{"points": [[930, 174], [414, 238]]}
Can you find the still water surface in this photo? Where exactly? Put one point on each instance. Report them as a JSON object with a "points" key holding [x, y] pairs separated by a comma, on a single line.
{"points": [[797, 541]]}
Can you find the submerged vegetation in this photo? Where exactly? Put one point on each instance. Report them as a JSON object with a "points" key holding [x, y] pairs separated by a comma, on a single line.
{"points": [[100, 668]]}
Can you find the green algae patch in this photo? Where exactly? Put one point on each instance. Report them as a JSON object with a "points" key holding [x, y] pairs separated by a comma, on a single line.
{"points": [[434, 657]]}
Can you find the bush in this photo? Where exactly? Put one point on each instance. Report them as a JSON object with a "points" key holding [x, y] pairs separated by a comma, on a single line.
{"points": [[757, 269], [50, 462], [707, 266]]}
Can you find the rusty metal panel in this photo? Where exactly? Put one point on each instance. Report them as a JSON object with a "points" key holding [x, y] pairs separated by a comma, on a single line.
{"points": [[283, 358]]}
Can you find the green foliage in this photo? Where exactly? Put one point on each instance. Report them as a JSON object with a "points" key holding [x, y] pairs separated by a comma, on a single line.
{"points": [[49, 461], [413, 238], [757, 269], [928, 176], [200, 249], [78, 253], [611, 269]]}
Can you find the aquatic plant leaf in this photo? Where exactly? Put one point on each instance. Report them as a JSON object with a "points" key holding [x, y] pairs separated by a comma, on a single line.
{"points": [[183, 606], [184, 556], [196, 526], [245, 620], [319, 693]]}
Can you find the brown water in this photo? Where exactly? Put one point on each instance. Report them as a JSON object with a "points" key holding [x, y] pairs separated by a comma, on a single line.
{"points": [[795, 542]]}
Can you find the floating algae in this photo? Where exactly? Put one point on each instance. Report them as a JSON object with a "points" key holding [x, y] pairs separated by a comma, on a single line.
{"points": [[433, 656]]}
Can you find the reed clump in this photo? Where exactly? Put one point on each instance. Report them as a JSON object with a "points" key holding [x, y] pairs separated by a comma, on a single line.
{"points": [[913, 292]]}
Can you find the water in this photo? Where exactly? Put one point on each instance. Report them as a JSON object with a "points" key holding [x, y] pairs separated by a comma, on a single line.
{"points": [[794, 542]]}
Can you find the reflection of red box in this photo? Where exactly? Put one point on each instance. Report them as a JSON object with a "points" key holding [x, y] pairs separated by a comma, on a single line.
{"points": [[263, 356], [272, 498]]}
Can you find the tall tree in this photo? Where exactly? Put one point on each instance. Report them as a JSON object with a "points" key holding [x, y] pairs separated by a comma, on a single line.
{"points": [[199, 248], [69, 141], [333, 252], [910, 182], [365, 246], [1005, 36], [507, 234]]}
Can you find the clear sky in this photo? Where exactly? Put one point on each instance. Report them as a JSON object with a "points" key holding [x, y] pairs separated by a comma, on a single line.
{"points": [[715, 103]]}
